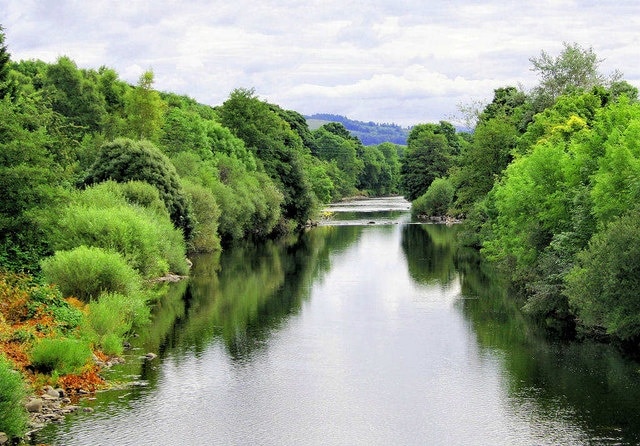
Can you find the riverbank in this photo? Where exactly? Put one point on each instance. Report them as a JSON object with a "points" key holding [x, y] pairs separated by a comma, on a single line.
{"points": [[54, 351], [283, 340]]}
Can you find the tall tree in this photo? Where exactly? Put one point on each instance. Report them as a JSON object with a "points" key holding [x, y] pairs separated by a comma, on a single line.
{"points": [[280, 149], [428, 157], [74, 96], [482, 163], [4, 64], [331, 146], [144, 109], [574, 68], [29, 175]]}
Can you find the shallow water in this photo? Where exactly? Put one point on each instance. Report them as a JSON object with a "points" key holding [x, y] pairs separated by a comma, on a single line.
{"points": [[376, 333]]}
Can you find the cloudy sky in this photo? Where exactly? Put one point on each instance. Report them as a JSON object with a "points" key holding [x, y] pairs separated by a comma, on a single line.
{"points": [[402, 61]]}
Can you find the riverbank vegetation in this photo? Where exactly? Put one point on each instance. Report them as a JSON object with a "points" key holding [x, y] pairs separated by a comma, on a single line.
{"points": [[548, 183], [107, 186]]}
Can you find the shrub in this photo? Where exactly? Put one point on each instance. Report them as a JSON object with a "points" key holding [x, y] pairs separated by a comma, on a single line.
{"points": [[49, 299], [112, 344], [436, 200], [13, 421], [603, 286], [145, 195], [113, 315], [61, 355], [102, 216], [86, 272], [117, 313], [205, 208]]}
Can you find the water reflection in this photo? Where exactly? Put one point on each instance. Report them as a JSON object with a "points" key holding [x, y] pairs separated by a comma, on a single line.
{"points": [[358, 334], [429, 251], [254, 289], [561, 385]]}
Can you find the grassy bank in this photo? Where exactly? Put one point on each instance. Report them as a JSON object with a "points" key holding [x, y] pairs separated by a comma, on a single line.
{"points": [[47, 339]]}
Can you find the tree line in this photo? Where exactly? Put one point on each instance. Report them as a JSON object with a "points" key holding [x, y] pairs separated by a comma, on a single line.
{"points": [[107, 186], [246, 168], [548, 184]]}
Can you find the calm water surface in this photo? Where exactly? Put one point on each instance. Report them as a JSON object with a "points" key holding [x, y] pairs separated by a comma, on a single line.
{"points": [[376, 333]]}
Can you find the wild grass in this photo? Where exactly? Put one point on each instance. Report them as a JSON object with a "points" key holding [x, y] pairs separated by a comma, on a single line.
{"points": [[13, 419], [62, 355], [113, 316]]}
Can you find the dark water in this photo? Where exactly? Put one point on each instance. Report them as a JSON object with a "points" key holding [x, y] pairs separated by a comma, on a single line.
{"points": [[371, 334]]}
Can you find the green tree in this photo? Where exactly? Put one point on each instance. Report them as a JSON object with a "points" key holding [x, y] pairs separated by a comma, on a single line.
{"points": [[616, 182], [392, 153], [4, 64], [29, 178], [331, 146], [376, 175], [124, 160], [340, 130], [278, 147], [428, 157], [222, 141], [113, 90], [506, 102], [320, 179], [531, 204], [75, 96], [574, 68], [184, 131], [603, 286], [144, 109], [482, 163], [298, 124]]}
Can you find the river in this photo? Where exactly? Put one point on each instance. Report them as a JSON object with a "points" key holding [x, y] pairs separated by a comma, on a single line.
{"points": [[366, 330]]}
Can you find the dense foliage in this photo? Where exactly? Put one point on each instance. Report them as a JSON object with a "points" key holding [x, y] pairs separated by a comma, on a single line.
{"points": [[12, 391], [107, 186], [548, 182], [431, 149], [245, 168], [126, 160]]}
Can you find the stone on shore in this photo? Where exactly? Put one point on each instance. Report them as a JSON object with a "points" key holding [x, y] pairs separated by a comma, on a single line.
{"points": [[34, 405]]}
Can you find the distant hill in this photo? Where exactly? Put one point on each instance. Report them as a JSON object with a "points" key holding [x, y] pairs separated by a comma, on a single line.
{"points": [[370, 133]]}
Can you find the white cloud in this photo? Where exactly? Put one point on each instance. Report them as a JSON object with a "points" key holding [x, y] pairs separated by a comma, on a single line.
{"points": [[403, 61]]}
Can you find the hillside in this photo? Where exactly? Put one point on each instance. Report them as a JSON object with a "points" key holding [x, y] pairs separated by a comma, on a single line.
{"points": [[370, 133]]}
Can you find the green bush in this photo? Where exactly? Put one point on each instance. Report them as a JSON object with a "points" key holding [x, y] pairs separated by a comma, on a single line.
{"points": [[137, 193], [114, 315], [102, 216], [603, 286], [124, 160], [207, 214], [118, 313], [13, 421], [112, 344], [86, 272], [61, 355], [145, 195], [436, 200]]}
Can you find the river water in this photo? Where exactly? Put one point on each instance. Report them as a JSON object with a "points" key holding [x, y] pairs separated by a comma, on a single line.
{"points": [[366, 330]]}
